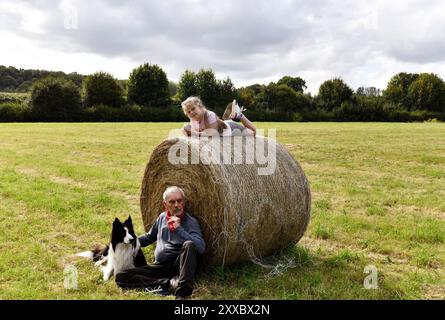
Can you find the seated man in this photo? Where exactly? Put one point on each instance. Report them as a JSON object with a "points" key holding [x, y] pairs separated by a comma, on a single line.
{"points": [[178, 242]]}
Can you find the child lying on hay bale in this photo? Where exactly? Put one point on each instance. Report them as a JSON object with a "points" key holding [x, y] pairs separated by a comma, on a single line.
{"points": [[204, 122]]}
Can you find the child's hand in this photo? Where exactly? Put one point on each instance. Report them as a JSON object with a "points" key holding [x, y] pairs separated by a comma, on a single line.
{"points": [[187, 130]]}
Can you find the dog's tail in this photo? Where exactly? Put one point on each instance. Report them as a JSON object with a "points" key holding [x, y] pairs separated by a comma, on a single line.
{"points": [[94, 254], [86, 254]]}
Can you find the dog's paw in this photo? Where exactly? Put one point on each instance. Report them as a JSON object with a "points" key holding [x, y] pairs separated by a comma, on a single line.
{"points": [[101, 262], [107, 276], [108, 272]]}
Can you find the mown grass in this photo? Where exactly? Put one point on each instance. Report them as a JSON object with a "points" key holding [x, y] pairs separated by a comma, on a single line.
{"points": [[378, 199]]}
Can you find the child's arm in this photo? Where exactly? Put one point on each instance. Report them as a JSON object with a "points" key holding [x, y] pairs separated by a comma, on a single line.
{"points": [[210, 131], [187, 130]]}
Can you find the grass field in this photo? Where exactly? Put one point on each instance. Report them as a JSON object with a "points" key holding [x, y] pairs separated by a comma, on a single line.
{"points": [[378, 198]]}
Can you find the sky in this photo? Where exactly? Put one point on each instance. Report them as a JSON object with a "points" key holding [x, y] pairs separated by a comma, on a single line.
{"points": [[251, 41]]}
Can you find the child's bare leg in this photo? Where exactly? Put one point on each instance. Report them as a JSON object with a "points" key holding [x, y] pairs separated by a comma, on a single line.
{"points": [[249, 125]]}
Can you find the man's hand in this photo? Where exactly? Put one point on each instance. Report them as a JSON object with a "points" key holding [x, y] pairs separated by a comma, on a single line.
{"points": [[176, 221]]}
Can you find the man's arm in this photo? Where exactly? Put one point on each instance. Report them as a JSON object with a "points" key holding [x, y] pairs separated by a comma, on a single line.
{"points": [[151, 235], [194, 234]]}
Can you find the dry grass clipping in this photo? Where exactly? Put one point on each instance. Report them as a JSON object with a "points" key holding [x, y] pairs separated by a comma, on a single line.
{"points": [[243, 215]]}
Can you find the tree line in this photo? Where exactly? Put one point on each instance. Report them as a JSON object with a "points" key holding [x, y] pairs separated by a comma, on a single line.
{"points": [[21, 80], [148, 95]]}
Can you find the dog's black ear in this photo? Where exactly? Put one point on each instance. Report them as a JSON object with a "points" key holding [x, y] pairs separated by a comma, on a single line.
{"points": [[116, 222], [129, 222]]}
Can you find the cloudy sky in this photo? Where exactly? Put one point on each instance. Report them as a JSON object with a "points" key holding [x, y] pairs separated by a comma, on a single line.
{"points": [[251, 41]]}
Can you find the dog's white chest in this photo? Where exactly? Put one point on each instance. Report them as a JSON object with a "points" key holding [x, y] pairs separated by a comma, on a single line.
{"points": [[122, 258]]}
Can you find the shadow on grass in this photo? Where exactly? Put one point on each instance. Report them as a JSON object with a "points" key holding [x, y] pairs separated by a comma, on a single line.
{"points": [[295, 273]]}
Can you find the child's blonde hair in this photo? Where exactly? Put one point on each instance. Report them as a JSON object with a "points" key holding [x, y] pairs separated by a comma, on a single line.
{"points": [[192, 101], [197, 101]]}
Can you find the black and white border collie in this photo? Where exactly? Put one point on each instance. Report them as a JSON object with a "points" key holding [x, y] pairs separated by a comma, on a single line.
{"points": [[122, 253]]}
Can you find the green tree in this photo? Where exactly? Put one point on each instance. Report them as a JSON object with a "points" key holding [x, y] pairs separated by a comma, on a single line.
{"points": [[24, 87], [283, 99], [148, 86], [368, 91], [13, 79], [397, 88], [187, 85], [76, 78], [227, 92], [332, 93], [214, 93], [55, 99], [257, 88], [427, 92], [208, 88], [8, 83], [172, 88], [296, 83], [246, 97], [102, 88]]}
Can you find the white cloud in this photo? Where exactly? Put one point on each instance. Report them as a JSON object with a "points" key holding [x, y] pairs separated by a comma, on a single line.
{"points": [[23, 16], [364, 42]]}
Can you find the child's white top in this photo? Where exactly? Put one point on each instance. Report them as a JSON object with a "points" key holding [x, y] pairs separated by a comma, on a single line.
{"points": [[198, 126]]}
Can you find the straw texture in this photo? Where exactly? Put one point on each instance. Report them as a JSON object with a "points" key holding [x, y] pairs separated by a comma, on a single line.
{"points": [[243, 215]]}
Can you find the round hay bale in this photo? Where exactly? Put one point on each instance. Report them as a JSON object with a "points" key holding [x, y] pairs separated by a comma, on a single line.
{"points": [[247, 209]]}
